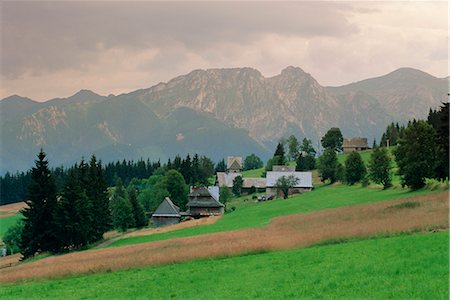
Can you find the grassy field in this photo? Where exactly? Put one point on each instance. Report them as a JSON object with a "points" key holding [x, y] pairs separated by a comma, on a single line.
{"points": [[260, 214], [405, 267], [5, 223]]}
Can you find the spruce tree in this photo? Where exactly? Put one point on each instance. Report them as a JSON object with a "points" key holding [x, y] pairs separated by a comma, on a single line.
{"points": [[279, 157], [39, 234], [237, 186], [140, 219], [97, 194]]}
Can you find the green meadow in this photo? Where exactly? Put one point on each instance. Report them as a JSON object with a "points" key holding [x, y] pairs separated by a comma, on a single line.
{"points": [[260, 214], [5, 223], [405, 267]]}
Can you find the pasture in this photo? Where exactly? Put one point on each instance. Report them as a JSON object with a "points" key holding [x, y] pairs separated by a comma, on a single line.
{"points": [[260, 214], [404, 267]]}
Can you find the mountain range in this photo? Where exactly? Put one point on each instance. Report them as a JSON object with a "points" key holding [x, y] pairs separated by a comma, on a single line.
{"points": [[214, 112]]}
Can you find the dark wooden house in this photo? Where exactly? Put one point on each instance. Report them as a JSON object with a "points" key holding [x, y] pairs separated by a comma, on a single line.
{"points": [[355, 144], [204, 201], [167, 213]]}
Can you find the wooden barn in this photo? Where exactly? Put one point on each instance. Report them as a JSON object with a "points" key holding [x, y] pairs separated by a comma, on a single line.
{"points": [[355, 144], [204, 201], [167, 213], [304, 183]]}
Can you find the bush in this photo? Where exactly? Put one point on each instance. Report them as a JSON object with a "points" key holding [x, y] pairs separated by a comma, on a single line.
{"points": [[12, 237]]}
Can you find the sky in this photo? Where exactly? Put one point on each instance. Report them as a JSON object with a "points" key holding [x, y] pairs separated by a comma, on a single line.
{"points": [[54, 49]]}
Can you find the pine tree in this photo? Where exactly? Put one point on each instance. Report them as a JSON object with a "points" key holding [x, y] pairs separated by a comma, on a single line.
{"points": [[121, 210], [380, 167], [39, 234], [293, 147], [97, 194], [140, 219], [237, 186], [355, 169], [221, 166], [279, 156]]}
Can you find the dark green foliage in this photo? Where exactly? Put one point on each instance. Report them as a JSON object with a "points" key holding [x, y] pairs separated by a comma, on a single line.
{"points": [[39, 234], [305, 163], [355, 169], [416, 154], [96, 191], [74, 214], [339, 172], [12, 236], [442, 169], [225, 194], [177, 188], [284, 183], [237, 186], [252, 162], [392, 135], [14, 187], [279, 156], [293, 147], [206, 169], [333, 139], [380, 167], [252, 190], [153, 192], [122, 214], [221, 166], [140, 219], [327, 164], [307, 147]]}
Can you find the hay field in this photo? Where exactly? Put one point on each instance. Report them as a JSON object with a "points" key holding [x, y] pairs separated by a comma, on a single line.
{"points": [[300, 230]]}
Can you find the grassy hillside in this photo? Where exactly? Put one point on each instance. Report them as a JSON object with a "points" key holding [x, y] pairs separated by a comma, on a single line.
{"points": [[5, 223], [260, 214], [404, 267]]}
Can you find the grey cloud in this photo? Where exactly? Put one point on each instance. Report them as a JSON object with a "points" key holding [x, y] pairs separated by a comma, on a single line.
{"points": [[49, 36]]}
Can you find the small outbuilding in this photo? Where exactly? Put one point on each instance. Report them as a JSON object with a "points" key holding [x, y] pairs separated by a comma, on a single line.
{"points": [[167, 213], [204, 201]]}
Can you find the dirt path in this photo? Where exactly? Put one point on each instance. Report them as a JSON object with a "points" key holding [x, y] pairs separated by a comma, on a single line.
{"points": [[299, 230], [9, 210]]}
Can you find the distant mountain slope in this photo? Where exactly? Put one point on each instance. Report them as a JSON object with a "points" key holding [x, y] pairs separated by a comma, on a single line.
{"points": [[216, 112]]}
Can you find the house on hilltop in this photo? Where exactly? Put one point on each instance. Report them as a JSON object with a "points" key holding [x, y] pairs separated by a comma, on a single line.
{"points": [[304, 182], [167, 213], [204, 201], [354, 144]]}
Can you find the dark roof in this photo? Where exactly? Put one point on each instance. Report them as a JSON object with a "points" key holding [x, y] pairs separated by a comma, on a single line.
{"points": [[235, 166], [167, 209], [201, 197]]}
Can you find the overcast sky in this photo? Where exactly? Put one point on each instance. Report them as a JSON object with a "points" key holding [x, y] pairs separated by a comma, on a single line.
{"points": [[54, 49]]}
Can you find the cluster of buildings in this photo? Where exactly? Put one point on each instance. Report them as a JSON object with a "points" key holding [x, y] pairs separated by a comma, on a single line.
{"points": [[204, 201]]}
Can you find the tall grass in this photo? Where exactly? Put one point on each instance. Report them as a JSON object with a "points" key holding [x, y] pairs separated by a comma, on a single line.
{"points": [[409, 267], [282, 233], [260, 214]]}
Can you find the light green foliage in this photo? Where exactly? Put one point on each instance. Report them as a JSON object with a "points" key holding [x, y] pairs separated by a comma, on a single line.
{"points": [[260, 214], [7, 222], [380, 167], [284, 183], [406, 267], [177, 188], [225, 194], [153, 193], [355, 170], [11, 237]]}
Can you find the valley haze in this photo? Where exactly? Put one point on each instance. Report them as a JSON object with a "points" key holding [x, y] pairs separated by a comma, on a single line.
{"points": [[213, 112]]}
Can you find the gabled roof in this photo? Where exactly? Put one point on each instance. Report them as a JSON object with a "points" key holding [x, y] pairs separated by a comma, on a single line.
{"points": [[356, 142], [305, 178], [234, 163], [167, 209], [203, 197]]}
